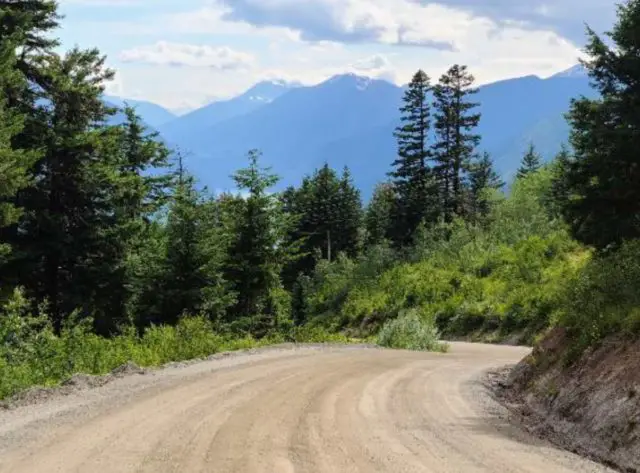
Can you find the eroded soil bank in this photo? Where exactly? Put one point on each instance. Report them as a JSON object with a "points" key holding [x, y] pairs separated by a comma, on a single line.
{"points": [[590, 405]]}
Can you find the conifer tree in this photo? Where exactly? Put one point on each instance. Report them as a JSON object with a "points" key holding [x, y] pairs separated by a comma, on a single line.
{"points": [[560, 192], [482, 180], [531, 162], [327, 214], [456, 141], [349, 217], [603, 177], [257, 252], [134, 165], [14, 163], [143, 192], [65, 252], [66, 249], [321, 211], [184, 277], [412, 175], [379, 214]]}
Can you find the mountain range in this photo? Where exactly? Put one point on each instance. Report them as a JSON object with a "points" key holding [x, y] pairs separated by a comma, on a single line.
{"points": [[153, 115], [349, 120]]}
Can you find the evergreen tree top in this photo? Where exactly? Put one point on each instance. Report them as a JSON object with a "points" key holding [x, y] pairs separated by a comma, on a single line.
{"points": [[254, 178], [531, 162]]}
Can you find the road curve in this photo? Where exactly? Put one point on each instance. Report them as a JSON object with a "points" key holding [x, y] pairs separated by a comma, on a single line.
{"points": [[300, 410]]}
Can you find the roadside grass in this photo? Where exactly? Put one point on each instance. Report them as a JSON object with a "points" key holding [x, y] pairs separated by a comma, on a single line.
{"points": [[31, 354]]}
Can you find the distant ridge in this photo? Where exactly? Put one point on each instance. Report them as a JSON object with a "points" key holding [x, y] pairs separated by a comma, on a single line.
{"points": [[349, 119]]}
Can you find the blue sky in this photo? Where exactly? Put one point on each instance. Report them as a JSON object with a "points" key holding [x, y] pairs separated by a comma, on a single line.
{"points": [[184, 53]]}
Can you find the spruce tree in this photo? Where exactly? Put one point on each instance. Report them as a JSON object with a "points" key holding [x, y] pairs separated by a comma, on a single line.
{"points": [[378, 218], [134, 165], [65, 249], [28, 26], [321, 212], [456, 141], [14, 163], [257, 252], [412, 175], [560, 192], [531, 162], [184, 277], [482, 180], [327, 214], [349, 217], [603, 177]]}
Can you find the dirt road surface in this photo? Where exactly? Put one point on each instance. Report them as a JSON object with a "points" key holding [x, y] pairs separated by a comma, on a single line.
{"points": [[304, 410]]}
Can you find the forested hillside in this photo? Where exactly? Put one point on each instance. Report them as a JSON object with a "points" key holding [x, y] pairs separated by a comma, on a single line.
{"points": [[104, 262]]}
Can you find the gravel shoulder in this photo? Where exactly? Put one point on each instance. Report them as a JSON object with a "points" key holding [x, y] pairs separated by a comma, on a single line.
{"points": [[311, 409]]}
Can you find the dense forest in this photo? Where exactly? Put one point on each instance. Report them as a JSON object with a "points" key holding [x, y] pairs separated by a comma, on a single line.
{"points": [[110, 252]]}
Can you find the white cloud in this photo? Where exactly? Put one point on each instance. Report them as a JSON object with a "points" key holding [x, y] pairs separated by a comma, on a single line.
{"points": [[210, 20], [388, 20], [308, 41], [394, 22], [181, 54]]}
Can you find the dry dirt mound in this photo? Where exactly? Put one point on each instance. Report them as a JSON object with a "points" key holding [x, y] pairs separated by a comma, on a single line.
{"points": [[590, 406]]}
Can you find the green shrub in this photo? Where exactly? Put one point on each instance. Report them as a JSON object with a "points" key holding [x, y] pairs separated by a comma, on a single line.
{"points": [[410, 331], [504, 276], [604, 298], [32, 355]]}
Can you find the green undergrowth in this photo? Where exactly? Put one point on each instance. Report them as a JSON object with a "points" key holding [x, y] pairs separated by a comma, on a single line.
{"points": [[603, 300], [500, 279], [31, 354]]}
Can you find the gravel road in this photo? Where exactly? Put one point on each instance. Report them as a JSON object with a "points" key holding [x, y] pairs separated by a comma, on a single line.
{"points": [[305, 410]]}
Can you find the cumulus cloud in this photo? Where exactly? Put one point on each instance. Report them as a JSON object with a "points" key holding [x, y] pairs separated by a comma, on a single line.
{"points": [[395, 21], [309, 40], [356, 21], [565, 17], [181, 54], [447, 25]]}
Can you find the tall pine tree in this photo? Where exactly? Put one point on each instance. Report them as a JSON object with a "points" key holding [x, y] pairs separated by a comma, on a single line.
{"points": [[531, 162], [257, 252], [603, 177], [349, 217], [412, 175], [483, 179], [13, 163], [328, 214], [134, 165], [67, 249], [456, 143], [184, 277], [378, 217], [63, 253]]}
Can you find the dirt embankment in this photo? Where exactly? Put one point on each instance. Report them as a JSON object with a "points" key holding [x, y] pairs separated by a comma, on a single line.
{"points": [[590, 406]]}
